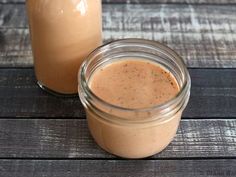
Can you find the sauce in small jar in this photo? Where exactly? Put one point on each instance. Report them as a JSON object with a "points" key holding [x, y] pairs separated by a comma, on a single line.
{"points": [[134, 92]]}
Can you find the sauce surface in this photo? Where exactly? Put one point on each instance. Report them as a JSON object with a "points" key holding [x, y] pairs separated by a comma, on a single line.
{"points": [[132, 83]]}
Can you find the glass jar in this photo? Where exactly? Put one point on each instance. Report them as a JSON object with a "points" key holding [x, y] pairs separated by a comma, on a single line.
{"points": [[63, 33], [134, 133]]}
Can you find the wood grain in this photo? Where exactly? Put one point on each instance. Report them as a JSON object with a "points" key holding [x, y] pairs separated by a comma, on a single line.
{"points": [[34, 143], [150, 1], [204, 35], [21, 97], [69, 138], [118, 168]]}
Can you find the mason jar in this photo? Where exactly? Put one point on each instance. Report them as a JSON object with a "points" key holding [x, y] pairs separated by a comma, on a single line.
{"points": [[63, 33], [133, 133]]}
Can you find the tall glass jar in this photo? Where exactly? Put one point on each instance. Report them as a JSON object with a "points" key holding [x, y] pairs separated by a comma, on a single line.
{"points": [[134, 133], [63, 33]]}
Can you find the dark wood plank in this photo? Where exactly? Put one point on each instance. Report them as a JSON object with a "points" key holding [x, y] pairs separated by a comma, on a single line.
{"points": [[213, 94], [204, 35], [150, 1], [21, 97], [118, 168], [69, 138], [171, 1]]}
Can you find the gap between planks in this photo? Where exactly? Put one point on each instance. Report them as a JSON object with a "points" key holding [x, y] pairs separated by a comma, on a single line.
{"points": [[202, 2]]}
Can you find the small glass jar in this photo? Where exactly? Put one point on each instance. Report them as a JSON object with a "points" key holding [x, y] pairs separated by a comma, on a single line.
{"points": [[134, 133], [63, 33]]}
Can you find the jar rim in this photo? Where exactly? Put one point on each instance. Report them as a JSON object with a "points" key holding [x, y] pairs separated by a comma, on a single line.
{"points": [[84, 86]]}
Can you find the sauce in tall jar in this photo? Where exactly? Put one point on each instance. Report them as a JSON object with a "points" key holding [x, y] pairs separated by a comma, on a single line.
{"points": [[63, 33]]}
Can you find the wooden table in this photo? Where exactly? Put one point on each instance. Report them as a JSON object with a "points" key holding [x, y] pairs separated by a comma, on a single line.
{"points": [[42, 135]]}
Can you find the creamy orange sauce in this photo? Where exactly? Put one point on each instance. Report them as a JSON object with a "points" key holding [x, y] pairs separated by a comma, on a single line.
{"points": [[134, 84], [63, 33]]}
